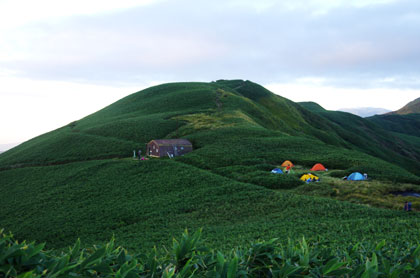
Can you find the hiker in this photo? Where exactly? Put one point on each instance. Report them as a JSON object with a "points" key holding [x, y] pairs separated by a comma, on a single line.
{"points": [[365, 176], [344, 178], [288, 169], [406, 206], [139, 154], [134, 154]]}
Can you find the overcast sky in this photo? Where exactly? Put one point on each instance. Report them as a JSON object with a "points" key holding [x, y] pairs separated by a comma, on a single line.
{"points": [[62, 60]]}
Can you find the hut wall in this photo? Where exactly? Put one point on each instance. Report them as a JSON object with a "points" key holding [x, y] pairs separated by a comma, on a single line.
{"points": [[153, 149]]}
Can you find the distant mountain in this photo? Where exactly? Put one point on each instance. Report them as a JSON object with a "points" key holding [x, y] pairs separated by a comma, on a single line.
{"points": [[365, 111], [410, 108]]}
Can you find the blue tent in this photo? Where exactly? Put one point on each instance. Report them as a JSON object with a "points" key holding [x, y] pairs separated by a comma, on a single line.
{"points": [[356, 176], [277, 171]]}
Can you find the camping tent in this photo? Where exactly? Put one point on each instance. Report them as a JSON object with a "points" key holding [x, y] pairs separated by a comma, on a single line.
{"points": [[287, 163], [277, 171], [318, 167], [309, 176], [356, 176]]}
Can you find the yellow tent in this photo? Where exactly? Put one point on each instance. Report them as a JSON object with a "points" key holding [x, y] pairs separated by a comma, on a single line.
{"points": [[287, 163], [309, 176]]}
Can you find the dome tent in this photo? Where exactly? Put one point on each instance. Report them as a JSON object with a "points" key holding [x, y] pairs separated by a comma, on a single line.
{"points": [[356, 176], [310, 177], [277, 171], [287, 163], [318, 167]]}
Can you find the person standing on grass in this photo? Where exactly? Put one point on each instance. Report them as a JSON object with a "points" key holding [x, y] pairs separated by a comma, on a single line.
{"points": [[139, 154], [405, 206], [288, 169]]}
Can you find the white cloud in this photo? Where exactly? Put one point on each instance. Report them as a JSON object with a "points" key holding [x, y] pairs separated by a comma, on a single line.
{"points": [[16, 13], [318, 6]]}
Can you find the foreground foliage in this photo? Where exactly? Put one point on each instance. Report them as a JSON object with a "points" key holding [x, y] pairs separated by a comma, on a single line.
{"points": [[190, 258]]}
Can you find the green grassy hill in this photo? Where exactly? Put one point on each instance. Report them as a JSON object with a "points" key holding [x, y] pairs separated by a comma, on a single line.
{"points": [[185, 109], [375, 135], [146, 205], [79, 180], [162, 111], [407, 124]]}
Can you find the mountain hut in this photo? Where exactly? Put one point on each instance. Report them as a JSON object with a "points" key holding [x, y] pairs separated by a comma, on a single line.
{"points": [[168, 147]]}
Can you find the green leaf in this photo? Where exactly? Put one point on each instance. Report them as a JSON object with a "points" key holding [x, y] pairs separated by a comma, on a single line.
{"points": [[233, 268], [94, 257]]}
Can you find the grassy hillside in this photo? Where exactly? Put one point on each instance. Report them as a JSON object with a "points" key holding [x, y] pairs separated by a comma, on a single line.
{"points": [[78, 181], [147, 204], [406, 124], [165, 110], [374, 136]]}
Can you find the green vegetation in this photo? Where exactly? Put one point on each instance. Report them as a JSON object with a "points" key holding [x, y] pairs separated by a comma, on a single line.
{"points": [[376, 140], [80, 182], [144, 205], [406, 124], [189, 257]]}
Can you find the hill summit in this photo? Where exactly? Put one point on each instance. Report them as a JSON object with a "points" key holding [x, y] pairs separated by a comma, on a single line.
{"points": [[220, 109]]}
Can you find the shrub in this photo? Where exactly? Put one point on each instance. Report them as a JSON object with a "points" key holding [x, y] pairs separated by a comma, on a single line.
{"points": [[190, 258]]}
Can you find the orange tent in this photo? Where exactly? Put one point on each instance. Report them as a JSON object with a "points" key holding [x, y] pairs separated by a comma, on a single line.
{"points": [[287, 163], [318, 167]]}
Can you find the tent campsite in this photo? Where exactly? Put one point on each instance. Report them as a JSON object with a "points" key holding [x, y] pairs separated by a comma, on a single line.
{"points": [[309, 177], [356, 176], [277, 171], [318, 167]]}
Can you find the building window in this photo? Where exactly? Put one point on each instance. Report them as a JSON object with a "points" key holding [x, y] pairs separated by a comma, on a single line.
{"points": [[157, 150], [182, 148]]}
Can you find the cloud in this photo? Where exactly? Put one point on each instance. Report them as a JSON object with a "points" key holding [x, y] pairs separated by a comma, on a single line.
{"points": [[18, 13], [264, 41]]}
